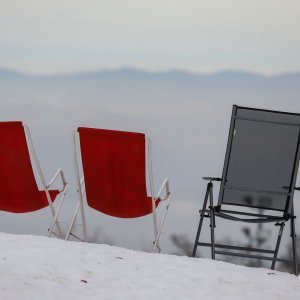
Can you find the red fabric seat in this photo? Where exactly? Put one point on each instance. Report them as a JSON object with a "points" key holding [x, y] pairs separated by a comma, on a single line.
{"points": [[114, 167], [19, 192]]}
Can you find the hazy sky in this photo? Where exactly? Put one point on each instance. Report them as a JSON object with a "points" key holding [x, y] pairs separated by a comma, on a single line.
{"points": [[67, 35]]}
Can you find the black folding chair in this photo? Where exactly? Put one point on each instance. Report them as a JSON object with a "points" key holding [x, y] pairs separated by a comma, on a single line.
{"points": [[259, 172]]}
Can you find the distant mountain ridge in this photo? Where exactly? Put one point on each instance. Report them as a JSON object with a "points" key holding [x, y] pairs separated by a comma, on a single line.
{"points": [[133, 86], [133, 72]]}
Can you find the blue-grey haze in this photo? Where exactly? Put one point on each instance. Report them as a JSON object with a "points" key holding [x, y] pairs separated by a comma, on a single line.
{"points": [[185, 114]]}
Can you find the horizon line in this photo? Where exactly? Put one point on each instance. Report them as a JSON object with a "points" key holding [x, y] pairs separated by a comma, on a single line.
{"points": [[148, 71]]}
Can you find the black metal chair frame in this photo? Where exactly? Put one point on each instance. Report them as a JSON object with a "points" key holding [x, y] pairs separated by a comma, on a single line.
{"points": [[211, 211]]}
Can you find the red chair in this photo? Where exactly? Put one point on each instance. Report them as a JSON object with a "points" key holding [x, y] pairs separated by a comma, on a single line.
{"points": [[114, 181], [19, 192]]}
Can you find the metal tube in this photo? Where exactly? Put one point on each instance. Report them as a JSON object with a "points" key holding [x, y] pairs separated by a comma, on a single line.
{"points": [[253, 256], [228, 187], [277, 244], [164, 185], [53, 178], [293, 234], [212, 222], [41, 175], [201, 219], [80, 195], [149, 159], [247, 214], [270, 122], [58, 210], [72, 221], [228, 152], [237, 248], [161, 225]]}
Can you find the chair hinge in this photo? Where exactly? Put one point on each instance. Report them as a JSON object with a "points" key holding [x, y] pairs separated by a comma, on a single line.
{"points": [[217, 208], [280, 224], [287, 216]]}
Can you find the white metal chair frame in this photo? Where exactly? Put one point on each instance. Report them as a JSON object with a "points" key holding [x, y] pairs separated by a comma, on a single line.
{"points": [[46, 187], [81, 193]]}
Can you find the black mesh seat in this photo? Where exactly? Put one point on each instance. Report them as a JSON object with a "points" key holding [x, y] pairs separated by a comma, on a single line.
{"points": [[260, 171]]}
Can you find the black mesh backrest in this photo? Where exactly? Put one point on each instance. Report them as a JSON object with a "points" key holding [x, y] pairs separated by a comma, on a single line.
{"points": [[261, 159]]}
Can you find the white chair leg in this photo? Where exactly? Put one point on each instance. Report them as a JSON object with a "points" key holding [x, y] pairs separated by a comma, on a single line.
{"points": [[54, 221], [72, 221], [156, 247]]}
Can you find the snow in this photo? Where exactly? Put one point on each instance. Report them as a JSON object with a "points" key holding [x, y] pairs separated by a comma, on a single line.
{"points": [[34, 267]]}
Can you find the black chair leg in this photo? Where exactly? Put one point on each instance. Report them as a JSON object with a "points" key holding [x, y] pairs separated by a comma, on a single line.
{"points": [[293, 235], [212, 224], [282, 224], [208, 189]]}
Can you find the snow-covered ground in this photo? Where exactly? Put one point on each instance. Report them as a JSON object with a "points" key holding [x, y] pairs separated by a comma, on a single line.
{"points": [[34, 267]]}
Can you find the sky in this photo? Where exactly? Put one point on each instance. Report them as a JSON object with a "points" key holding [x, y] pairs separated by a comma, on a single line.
{"points": [[62, 36]]}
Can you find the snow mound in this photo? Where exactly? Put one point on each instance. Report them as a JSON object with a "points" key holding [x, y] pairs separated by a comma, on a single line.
{"points": [[34, 267]]}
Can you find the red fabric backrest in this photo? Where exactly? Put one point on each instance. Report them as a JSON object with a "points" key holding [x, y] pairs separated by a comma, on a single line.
{"points": [[115, 171], [18, 189]]}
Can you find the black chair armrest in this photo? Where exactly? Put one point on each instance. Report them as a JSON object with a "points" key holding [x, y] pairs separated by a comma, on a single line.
{"points": [[212, 178]]}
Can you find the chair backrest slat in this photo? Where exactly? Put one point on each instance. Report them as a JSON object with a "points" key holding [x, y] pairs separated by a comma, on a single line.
{"points": [[262, 159], [114, 167]]}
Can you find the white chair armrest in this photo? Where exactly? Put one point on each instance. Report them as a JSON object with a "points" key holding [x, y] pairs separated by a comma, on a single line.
{"points": [[165, 186], [62, 176]]}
